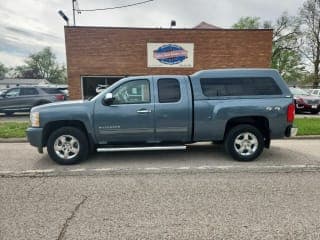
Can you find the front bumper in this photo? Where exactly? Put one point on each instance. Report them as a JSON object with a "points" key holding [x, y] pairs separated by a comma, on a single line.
{"points": [[34, 136]]}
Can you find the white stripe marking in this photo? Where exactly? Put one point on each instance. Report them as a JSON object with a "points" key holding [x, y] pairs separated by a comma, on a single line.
{"points": [[227, 167]]}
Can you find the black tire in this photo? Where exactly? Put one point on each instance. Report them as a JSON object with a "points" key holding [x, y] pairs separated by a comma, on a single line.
{"points": [[315, 112], [71, 133], [248, 140], [9, 114]]}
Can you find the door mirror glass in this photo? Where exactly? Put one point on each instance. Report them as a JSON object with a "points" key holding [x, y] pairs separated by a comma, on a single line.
{"points": [[108, 99]]}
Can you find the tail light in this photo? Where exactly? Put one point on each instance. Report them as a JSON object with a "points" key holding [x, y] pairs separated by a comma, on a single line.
{"points": [[290, 112], [59, 97]]}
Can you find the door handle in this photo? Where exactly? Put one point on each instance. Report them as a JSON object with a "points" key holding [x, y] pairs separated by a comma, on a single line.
{"points": [[144, 111]]}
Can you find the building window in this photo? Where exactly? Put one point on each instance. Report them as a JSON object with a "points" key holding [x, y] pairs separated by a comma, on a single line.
{"points": [[168, 90], [91, 86]]}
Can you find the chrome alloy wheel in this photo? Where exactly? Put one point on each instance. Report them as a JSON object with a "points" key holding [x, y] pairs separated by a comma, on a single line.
{"points": [[246, 144], [66, 146]]}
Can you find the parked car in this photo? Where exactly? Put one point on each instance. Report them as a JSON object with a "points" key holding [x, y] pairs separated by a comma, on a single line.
{"points": [[315, 92], [2, 91], [243, 108], [22, 99], [305, 102]]}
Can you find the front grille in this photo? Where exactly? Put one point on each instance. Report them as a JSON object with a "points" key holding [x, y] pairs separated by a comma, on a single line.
{"points": [[313, 101]]}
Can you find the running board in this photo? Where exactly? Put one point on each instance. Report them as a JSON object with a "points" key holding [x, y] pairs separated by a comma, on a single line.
{"points": [[125, 149]]}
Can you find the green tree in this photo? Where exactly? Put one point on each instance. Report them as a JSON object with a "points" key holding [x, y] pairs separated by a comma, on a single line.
{"points": [[285, 55], [42, 64], [247, 23], [285, 48], [310, 20], [3, 70]]}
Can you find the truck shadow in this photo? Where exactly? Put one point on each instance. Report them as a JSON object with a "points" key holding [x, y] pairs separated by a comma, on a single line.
{"points": [[193, 155]]}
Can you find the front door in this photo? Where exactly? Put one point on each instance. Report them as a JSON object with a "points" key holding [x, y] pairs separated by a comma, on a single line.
{"points": [[11, 100], [130, 119]]}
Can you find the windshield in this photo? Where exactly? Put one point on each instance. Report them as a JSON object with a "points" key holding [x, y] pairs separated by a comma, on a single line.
{"points": [[299, 91]]}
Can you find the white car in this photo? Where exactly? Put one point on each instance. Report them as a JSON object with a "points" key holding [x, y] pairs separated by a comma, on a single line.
{"points": [[315, 92]]}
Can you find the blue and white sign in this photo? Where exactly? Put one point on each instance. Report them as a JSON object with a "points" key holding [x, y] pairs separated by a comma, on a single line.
{"points": [[170, 55]]}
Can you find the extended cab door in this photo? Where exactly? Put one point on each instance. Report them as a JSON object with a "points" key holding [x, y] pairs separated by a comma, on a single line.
{"points": [[130, 118], [173, 109]]}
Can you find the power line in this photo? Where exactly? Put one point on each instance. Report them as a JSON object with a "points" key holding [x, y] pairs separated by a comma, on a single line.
{"points": [[111, 8]]}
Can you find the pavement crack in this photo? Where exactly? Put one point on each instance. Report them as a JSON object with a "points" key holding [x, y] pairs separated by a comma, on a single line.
{"points": [[34, 187], [68, 220]]}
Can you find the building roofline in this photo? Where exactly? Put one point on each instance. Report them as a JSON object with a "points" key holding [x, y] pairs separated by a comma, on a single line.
{"points": [[171, 29]]}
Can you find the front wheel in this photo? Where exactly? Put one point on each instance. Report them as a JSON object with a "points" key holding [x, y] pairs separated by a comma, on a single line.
{"points": [[68, 145], [9, 114], [244, 142]]}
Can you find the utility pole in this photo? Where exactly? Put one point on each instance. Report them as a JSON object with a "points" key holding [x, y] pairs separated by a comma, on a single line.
{"points": [[73, 11]]}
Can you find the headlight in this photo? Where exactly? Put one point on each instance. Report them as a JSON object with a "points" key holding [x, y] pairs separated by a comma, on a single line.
{"points": [[35, 119]]}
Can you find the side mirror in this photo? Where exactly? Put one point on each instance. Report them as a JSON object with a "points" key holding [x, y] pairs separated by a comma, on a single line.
{"points": [[108, 99]]}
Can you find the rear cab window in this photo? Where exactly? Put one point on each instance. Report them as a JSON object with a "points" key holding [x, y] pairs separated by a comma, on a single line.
{"points": [[169, 90]]}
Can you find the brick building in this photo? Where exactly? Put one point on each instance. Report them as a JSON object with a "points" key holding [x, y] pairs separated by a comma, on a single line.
{"points": [[103, 55]]}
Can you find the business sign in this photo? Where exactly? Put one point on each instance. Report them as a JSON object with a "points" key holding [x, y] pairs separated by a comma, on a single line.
{"points": [[170, 55]]}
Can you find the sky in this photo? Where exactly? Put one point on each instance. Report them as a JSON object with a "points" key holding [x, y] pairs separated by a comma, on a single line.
{"points": [[27, 26]]}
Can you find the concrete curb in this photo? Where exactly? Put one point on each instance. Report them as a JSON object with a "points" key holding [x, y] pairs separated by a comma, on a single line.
{"points": [[304, 137], [13, 140], [24, 140], [164, 170]]}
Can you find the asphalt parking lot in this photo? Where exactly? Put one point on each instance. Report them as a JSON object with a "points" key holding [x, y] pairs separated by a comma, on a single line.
{"points": [[200, 193], [283, 154], [162, 206]]}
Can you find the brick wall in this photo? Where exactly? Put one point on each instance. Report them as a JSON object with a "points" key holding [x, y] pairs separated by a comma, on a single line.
{"points": [[123, 51]]}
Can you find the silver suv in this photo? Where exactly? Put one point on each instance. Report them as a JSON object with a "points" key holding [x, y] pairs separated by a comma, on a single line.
{"points": [[22, 99]]}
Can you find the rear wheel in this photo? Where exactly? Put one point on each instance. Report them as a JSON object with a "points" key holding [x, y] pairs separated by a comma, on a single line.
{"points": [[244, 142], [315, 112], [68, 145], [8, 114]]}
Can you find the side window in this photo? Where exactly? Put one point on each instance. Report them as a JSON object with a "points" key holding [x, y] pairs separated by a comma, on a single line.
{"points": [[132, 92], [13, 92], [28, 91], [169, 90], [212, 87]]}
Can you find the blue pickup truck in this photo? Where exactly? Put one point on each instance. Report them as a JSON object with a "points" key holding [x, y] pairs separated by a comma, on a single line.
{"points": [[241, 108]]}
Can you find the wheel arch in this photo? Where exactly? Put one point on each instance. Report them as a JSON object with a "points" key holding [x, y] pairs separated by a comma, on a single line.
{"points": [[260, 122], [52, 126]]}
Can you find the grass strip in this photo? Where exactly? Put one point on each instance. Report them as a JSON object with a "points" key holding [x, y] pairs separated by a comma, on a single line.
{"points": [[307, 126], [13, 129]]}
